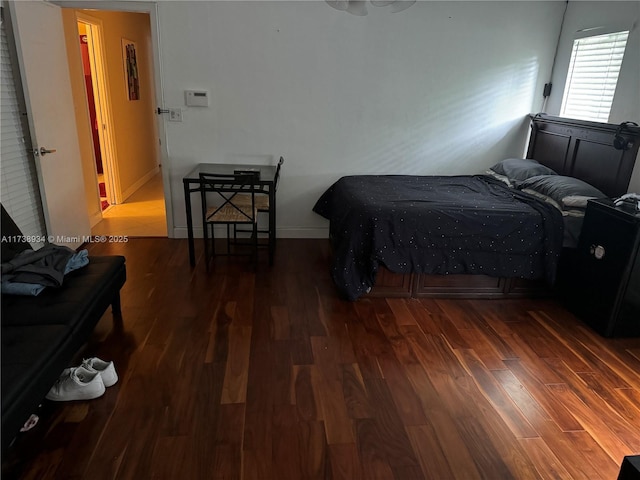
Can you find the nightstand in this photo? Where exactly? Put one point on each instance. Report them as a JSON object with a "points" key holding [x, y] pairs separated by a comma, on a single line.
{"points": [[605, 290]]}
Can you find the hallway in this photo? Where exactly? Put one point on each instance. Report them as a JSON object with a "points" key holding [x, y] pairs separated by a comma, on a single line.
{"points": [[142, 215]]}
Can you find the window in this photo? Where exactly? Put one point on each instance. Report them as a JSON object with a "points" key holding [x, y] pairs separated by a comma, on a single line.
{"points": [[593, 75]]}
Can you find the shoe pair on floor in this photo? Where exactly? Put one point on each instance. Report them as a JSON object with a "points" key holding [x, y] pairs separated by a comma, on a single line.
{"points": [[84, 382]]}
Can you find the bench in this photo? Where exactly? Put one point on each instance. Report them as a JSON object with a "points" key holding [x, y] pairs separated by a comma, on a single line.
{"points": [[42, 334]]}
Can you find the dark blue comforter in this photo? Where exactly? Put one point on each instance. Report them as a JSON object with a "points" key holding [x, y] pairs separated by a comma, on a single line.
{"points": [[437, 225]]}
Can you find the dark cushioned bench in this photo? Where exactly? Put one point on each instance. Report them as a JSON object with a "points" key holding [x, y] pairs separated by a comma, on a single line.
{"points": [[42, 334]]}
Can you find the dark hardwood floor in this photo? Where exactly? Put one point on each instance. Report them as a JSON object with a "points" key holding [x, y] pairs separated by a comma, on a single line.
{"points": [[236, 374]]}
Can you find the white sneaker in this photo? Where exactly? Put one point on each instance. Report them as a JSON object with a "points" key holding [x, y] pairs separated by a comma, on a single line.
{"points": [[76, 384], [106, 370]]}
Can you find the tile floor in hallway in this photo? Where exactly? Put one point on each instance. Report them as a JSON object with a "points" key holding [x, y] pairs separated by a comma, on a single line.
{"points": [[142, 215]]}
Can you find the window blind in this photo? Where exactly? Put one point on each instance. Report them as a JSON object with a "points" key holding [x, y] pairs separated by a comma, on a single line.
{"points": [[19, 190], [593, 74]]}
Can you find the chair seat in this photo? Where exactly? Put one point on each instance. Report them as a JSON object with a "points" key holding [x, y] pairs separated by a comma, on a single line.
{"points": [[261, 199], [230, 214]]}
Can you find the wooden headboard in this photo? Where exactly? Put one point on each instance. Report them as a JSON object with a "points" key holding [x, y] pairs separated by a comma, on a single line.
{"points": [[585, 150]]}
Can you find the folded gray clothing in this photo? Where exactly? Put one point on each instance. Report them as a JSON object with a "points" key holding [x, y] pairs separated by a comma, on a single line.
{"points": [[45, 266], [13, 288]]}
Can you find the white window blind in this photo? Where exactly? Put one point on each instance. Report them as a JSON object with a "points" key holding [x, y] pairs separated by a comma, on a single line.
{"points": [[19, 190], [593, 75]]}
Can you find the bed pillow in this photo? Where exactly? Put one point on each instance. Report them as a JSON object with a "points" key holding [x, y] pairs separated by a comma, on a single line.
{"points": [[566, 192], [518, 169], [497, 176]]}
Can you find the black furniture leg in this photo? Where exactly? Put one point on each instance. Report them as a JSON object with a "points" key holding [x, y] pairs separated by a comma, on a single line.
{"points": [[187, 203], [115, 305], [255, 245], [205, 229], [272, 224]]}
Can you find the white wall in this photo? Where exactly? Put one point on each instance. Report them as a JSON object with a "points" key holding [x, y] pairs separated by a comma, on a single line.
{"points": [[591, 15], [441, 88]]}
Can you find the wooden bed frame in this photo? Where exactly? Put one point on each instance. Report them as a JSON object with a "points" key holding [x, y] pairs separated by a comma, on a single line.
{"points": [[570, 147]]}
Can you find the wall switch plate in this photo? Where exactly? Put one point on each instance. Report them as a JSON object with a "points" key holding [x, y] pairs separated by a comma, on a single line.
{"points": [[175, 115]]}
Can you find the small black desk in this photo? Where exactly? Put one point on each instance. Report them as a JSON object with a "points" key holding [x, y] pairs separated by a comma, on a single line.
{"points": [[192, 184]]}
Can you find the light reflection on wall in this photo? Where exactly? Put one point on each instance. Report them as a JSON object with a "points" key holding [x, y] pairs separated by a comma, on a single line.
{"points": [[457, 143]]}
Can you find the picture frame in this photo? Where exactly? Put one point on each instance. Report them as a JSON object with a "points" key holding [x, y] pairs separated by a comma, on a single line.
{"points": [[130, 60]]}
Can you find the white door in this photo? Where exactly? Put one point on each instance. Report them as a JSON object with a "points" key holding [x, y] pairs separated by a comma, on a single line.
{"points": [[42, 56]]}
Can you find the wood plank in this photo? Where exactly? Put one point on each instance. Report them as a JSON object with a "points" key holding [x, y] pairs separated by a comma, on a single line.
{"points": [[558, 411], [226, 458], [345, 462], [234, 389], [558, 441], [371, 451], [496, 440], [401, 312], [491, 389], [355, 395], [280, 323], [485, 350], [598, 428], [287, 457], [327, 385], [303, 395], [610, 416], [425, 442], [389, 425], [548, 465], [314, 461]]}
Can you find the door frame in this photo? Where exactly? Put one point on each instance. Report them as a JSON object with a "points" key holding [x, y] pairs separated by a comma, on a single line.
{"points": [[102, 100], [151, 8]]}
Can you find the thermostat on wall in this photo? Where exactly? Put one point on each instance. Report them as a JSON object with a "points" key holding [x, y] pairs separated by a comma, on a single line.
{"points": [[196, 98]]}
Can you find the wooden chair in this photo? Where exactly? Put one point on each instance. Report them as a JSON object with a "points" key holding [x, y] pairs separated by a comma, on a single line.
{"points": [[262, 204], [220, 206]]}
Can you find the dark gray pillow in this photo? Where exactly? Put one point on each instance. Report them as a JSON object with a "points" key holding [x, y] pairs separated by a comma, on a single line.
{"points": [[567, 192], [521, 168]]}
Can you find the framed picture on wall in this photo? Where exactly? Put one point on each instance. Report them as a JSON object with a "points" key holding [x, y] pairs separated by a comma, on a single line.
{"points": [[129, 56]]}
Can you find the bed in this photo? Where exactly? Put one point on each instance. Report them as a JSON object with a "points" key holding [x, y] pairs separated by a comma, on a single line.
{"points": [[502, 233]]}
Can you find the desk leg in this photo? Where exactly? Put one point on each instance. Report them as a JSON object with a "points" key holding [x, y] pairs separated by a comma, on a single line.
{"points": [[187, 203], [272, 224]]}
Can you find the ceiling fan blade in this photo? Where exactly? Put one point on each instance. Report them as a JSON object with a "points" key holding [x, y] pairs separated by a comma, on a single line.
{"points": [[357, 7], [338, 4], [400, 5]]}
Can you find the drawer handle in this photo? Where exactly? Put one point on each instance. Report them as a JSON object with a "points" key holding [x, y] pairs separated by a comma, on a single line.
{"points": [[597, 251]]}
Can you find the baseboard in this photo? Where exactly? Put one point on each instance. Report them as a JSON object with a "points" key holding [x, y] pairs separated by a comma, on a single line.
{"points": [[94, 219], [132, 189], [302, 232]]}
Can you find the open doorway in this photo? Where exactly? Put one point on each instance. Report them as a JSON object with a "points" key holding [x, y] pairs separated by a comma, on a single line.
{"points": [[128, 177], [89, 35]]}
